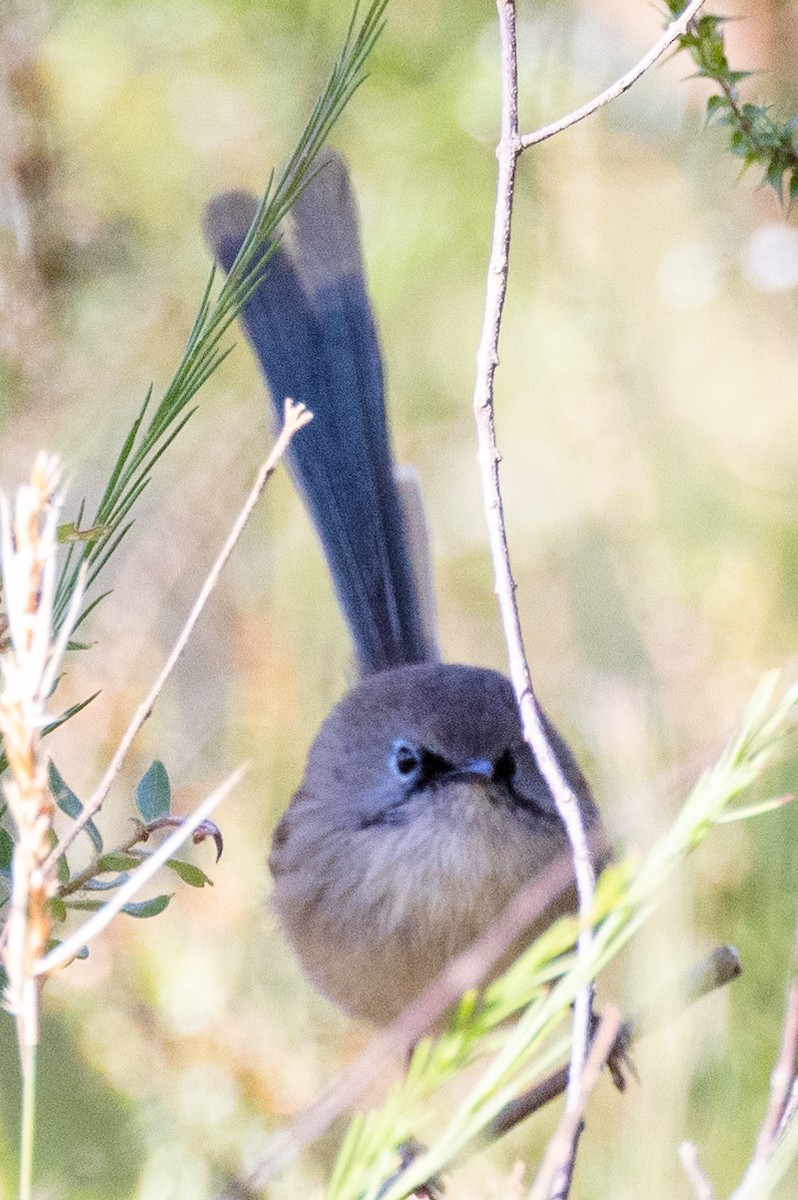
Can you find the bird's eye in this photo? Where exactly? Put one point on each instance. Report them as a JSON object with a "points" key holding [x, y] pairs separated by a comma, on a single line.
{"points": [[504, 767], [405, 759]]}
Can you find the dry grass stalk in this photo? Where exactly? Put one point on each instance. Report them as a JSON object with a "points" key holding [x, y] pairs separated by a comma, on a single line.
{"points": [[29, 665]]}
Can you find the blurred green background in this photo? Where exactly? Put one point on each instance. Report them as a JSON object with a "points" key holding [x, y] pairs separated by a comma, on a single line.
{"points": [[647, 412]]}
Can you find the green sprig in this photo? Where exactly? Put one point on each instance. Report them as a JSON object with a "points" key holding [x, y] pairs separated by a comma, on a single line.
{"points": [[205, 349], [755, 135]]}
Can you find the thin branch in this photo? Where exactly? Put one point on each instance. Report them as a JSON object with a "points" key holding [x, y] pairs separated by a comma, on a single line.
{"points": [[567, 1133], [674, 31], [783, 1097], [688, 1157], [508, 152], [718, 969], [96, 923], [784, 1072], [296, 416]]}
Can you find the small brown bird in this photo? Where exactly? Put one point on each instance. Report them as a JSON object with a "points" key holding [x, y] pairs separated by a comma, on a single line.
{"points": [[422, 810]]}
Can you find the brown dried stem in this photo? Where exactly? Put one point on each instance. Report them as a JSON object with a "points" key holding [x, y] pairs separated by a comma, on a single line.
{"points": [[29, 666]]}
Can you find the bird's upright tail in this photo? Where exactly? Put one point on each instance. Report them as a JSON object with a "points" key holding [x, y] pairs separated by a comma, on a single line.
{"points": [[310, 324]]}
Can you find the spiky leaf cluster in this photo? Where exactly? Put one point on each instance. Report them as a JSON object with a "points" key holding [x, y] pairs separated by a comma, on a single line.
{"points": [[755, 135]]}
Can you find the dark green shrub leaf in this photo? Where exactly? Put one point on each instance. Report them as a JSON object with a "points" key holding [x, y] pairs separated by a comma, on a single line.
{"points": [[116, 862], [6, 851], [153, 794], [106, 885], [69, 803], [147, 908], [83, 905], [53, 942], [794, 186], [62, 870]]}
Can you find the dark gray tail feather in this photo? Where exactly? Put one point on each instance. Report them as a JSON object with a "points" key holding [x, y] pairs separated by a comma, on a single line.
{"points": [[311, 327]]}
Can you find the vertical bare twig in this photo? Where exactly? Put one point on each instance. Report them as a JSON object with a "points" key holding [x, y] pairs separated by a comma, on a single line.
{"points": [[511, 145], [688, 1157], [783, 1096], [567, 1131], [508, 153], [784, 1072]]}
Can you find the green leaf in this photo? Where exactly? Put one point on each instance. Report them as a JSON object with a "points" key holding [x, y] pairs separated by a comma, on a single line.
{"points": [[69, 803], [58, 908], [716, 104], [744, 811], [106, 885], [775, 174], [147, 908], [153, 794], [62, 870], [190, 874], [6, 851], [69, 532], [53, 942], [116, 862], [145, 443], [794, 185]]}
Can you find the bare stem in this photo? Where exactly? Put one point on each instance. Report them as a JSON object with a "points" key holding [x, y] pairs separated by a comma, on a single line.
{"points": [[28, 541], [567, 1133], [508, 152], [688, 1157], [296, 416], [29, 1056], [782, 1097], [784, 1072], [674, 31]]}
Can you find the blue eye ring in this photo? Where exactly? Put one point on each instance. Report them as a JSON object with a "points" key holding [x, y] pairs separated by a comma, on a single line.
{"points": [[406, 760]]}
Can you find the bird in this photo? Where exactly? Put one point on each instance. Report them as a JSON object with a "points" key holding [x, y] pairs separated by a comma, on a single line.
{"points": [[422, 810]]}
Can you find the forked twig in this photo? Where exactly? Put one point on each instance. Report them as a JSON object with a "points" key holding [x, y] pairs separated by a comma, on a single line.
{"points": [[100, 920], [688, 1157], [675, 30], [718, 969], [511, 146], [296, 416]]}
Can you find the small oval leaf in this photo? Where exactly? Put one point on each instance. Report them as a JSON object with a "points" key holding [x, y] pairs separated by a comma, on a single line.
{"points": [[69, 803], [190, 874], [106, 885], [147, 908], [116, 862], [153, 794], [6, 851]]}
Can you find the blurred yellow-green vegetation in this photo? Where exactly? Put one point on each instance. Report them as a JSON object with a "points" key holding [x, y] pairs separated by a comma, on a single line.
{"points": [[647, 412]]}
